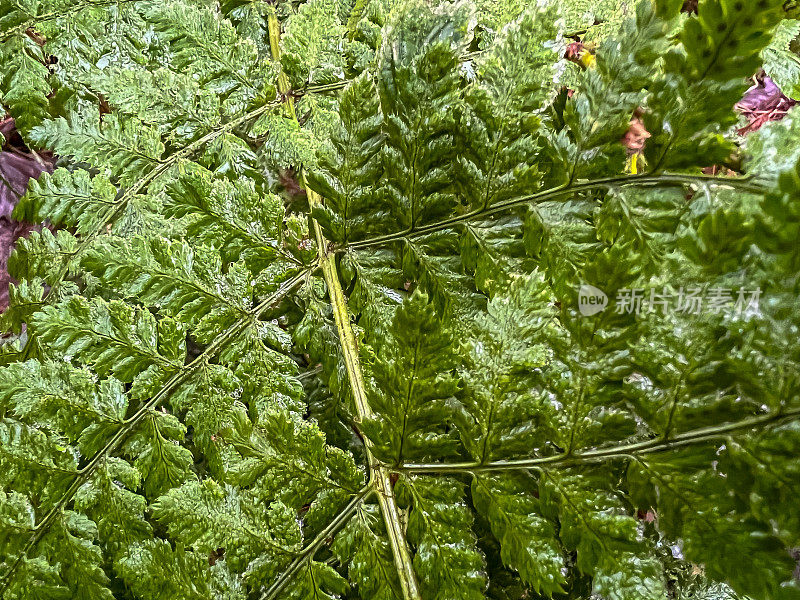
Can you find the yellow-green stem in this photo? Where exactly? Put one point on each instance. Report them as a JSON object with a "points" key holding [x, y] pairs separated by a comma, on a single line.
{"points": [[379, 476], [284, 87]]}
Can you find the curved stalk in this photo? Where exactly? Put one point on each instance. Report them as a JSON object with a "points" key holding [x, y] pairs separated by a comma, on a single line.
{"points": [[745, 184], [652, 446], [379, 475]]}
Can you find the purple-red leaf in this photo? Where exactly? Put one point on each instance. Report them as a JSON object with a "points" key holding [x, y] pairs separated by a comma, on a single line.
{"points": [[17, 167], [763, 102]]}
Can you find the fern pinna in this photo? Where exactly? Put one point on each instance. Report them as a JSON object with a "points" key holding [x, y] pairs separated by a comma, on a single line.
{"points": [[308, 318]]}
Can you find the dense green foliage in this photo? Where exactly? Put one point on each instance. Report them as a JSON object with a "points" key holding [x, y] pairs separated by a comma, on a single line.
{"points": [[223, 386]]}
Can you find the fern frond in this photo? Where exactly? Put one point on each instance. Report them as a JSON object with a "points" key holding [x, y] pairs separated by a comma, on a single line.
{"points": [[363, 547], [110, 336], [435, 413], [717, 53], [413, 387], [347, 175], [69, 198], [206, 516], [25, 84], [208, 48], [528, 540], [123, 149], [185, 282], [176, 103], [781, 64], [44, 255], [439, 524], [156, 571], [595, 523]]}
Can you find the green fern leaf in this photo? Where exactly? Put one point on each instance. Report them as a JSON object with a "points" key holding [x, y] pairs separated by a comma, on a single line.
{"points": [[110, 501], [439, 524], [363, 547], [44, 255], [158, 455], [207, 516], [349, 170], [156, 571], [595, 524], [67, 198], [186, 283], [111, 336], [208, 48], [25, 82], [414, 388], [528, 541], [124, 149]]}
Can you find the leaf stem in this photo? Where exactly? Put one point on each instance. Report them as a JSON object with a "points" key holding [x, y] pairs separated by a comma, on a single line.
{"points": [[379, 476], [339, 521], [651, 446], [743, 183]]}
